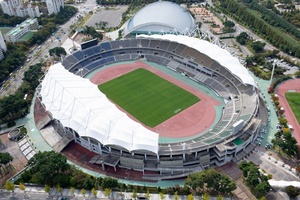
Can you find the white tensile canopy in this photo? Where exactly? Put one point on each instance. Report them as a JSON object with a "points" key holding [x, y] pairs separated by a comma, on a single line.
{"points": [[79, 104], [222, 56]]}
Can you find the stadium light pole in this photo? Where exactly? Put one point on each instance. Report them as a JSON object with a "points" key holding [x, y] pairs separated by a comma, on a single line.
{"points": [[274, 64]]}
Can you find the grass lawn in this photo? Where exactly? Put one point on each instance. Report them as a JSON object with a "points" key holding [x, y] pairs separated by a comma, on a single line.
{"points": [[293, 99], [148, 97]]}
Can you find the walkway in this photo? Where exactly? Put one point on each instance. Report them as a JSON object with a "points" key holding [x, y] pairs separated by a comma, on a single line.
{"points": [[263, 85]]}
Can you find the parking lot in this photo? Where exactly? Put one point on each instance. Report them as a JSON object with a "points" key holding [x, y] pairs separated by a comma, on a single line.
{"points": [[112, 16]]}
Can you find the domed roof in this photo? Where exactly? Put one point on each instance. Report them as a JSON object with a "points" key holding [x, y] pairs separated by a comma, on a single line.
{"points": [[161, 16]]}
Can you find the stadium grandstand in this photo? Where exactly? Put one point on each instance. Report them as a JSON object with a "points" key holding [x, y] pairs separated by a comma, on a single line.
{"points": [[158, 17], [94, 122]]}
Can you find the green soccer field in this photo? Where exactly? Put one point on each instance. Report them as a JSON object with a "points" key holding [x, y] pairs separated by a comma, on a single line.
{"points": [[148, 97], [293, 99]]}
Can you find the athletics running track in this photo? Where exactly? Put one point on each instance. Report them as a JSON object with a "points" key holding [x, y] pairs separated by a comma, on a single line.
{"points": [[294, 85]]}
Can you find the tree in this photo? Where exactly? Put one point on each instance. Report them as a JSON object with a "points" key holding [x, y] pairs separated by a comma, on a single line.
{"points": [[108, 182], [46, 166], [190, 197], [22, 187], [134, 194], [72, 190], [176, 197], [83, 191], [242, 38], [257, 181], [148, 194], [58, 51], [229, 24], [206, 196], [210, 180], [220, 197], [107, 192], [258, 46], [292, 191], [47, 188], [5, 158], [94, 192], [59, 189], [9, 186], [162, 195]]}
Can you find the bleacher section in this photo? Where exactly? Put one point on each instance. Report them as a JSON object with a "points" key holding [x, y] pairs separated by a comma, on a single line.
{"points": [[131, 163], [239, 100]]}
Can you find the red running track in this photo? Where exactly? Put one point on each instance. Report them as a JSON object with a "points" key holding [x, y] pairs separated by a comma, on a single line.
{"points": [[280, 91]]}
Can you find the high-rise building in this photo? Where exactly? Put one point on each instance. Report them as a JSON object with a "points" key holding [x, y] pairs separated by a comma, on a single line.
{"points": [[2, 43], [54, 6], [16, 8]]}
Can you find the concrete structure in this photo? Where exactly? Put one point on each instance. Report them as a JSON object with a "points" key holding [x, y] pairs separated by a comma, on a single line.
{"points": [[231, 138], [161, 16], [54, 6], [1, 54], [16, 33], [2, 42], [17, 8]]}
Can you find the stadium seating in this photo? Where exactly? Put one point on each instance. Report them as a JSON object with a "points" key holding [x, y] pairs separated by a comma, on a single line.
{"points": [[238, 97]]}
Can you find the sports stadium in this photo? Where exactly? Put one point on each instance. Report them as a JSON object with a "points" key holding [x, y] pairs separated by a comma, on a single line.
{"points": [[164, 106]]}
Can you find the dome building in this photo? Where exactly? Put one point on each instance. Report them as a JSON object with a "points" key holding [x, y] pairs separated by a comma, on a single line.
{"points": [[161, 16]]}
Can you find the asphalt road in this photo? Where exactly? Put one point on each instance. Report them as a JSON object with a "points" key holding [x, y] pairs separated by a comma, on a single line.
{"points": [[42, 52]]}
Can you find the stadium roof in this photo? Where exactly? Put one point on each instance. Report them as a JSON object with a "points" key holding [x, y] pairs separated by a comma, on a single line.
{"points": [[215, 52], [79, 104], [160, 16]]}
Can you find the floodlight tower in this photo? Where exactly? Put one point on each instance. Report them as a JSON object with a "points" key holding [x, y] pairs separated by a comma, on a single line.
{"points": [[274, 64]]}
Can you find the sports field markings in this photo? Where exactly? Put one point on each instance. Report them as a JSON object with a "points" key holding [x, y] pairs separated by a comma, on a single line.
{"points": [[293, 99], [148, 97]]}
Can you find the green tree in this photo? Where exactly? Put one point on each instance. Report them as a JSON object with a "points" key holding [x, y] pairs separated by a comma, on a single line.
{"points": [[94, 192], [257, 182], [176, 197], [206, 196], [292, 191], [22, 187], [190, 197], [108, 182], [148, 194], [47, 188], [5, 158], [229, 24], [72, 190], [83, 191], [9, 186], [57, 51], [107, 192], [134, 194], [242, 38], [220, 197], [162, 195], [211, 180], [58, 189], [258, 46], [46, 166]]}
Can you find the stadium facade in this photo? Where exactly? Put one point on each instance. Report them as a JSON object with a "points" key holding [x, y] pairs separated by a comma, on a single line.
{"points": [[99, 126], [161, 16]]}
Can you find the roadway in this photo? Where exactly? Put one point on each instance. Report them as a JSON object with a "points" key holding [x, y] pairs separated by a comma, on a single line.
{"points": [[39, 54]]}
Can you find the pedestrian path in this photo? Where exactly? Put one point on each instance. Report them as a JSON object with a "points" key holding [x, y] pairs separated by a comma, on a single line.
{"points": [[33, 134], [274, 166]]}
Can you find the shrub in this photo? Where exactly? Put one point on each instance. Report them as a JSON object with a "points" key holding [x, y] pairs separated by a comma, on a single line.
{"points": [[292, 191]]}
